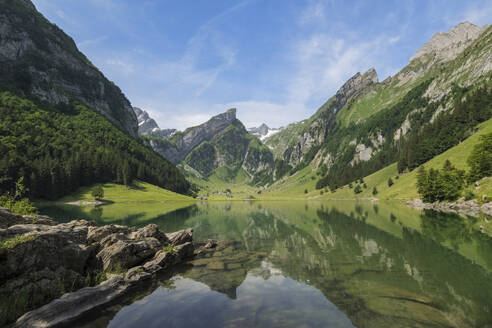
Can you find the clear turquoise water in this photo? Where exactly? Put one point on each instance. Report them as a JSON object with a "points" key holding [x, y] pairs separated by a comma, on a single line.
{"points": [[313, 264]]}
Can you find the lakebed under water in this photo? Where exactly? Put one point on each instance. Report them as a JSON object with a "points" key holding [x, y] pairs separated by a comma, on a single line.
{"points": [[308, 264]]}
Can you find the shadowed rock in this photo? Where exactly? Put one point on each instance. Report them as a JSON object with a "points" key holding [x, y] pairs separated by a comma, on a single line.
{"points": [[39, 257]]}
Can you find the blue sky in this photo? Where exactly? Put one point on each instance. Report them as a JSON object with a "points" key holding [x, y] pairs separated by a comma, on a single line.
{"points": [[276, 61]]}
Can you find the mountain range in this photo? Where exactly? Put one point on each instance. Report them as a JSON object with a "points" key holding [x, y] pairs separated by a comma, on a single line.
{"points": [[366, 125], [50, 91], [220, 146]]}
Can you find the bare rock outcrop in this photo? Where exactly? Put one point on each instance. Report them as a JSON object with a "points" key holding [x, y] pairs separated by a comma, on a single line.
{"points": [[183, 143], [445, 46], [40, 258]]}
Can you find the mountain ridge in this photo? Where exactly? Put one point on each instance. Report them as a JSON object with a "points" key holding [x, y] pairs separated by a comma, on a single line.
{"points": [[353, 130], [45, 63]]}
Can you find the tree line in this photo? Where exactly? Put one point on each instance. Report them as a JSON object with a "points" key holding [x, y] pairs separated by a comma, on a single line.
{"points": [[448, 183], [57, 149]]}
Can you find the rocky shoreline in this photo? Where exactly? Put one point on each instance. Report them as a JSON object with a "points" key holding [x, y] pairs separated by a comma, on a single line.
{"points": [[461, 206], [91, 266]]}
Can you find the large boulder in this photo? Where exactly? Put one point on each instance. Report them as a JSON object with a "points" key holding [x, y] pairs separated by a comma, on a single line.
{"points": [[43, 259], [8, 219]]}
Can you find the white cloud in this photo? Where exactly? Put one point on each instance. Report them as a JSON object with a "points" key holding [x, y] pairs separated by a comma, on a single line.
{"points": [[324, 63], [254, 113], [320, 64], [91, 42], [121, 66], [479, 15], [314, 13]]}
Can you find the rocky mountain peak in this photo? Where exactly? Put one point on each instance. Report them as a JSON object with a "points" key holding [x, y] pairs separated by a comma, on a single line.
{"points": [[222, 120], [145, 123], [355, 84], [445, 46], [148, 126]]}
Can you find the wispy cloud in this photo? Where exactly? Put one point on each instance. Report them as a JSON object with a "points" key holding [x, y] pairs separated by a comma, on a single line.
{"points": [[479, 15], [313, 13], [122, 66]]}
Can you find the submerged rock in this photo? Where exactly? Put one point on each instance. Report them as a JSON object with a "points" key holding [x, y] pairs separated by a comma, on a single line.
{"points": [[44, 259], [468, 207]]}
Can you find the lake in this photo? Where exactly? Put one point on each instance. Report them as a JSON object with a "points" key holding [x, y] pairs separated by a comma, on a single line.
{"points": [[308, 264]]}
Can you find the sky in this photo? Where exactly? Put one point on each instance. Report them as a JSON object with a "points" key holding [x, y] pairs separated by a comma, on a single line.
{"points": [[276, 61]]}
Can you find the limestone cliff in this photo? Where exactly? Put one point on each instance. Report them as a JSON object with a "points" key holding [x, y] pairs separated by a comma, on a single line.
{"points": [[222, 144], [40, 60]]}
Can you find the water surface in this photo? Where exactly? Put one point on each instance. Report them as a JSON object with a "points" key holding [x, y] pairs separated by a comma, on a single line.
{"points": [[311, 264]]}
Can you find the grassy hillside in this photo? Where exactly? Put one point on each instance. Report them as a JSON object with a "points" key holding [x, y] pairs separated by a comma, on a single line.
{"points": [[404, 184], [138, 191], [131, 205]]}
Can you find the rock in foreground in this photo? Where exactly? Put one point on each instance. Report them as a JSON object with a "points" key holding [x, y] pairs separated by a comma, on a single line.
{"points": [[40, 260]]}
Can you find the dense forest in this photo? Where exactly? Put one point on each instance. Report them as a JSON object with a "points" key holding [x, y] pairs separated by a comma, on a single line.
{"points": [[446, 130], [60, 148]]}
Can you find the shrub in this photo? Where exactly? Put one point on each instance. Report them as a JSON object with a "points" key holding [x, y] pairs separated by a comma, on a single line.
{"points": [[357, 189], [440, 185], [97, 192], [374, 191], [16, 202], [305, 191], [390, 182], [469, 195], [480, 159]]}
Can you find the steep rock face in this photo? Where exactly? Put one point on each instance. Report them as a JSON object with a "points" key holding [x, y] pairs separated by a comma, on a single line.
{"points": [[181, 144], [315, 133], [355, 85], [445, 46], [145, 123], [233, 149], [41, 60], [148, 126]]}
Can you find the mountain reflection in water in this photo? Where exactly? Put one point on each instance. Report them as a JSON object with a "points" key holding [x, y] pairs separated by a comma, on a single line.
{"points": [[316, 264]]}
